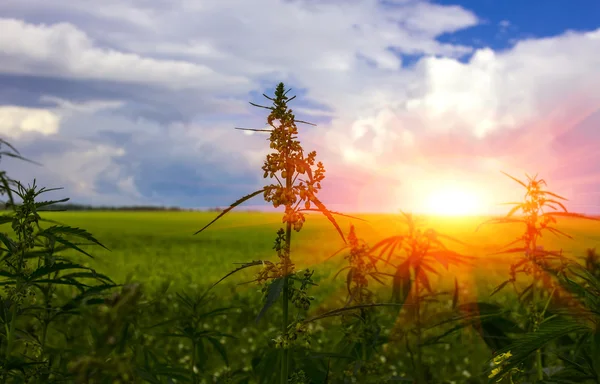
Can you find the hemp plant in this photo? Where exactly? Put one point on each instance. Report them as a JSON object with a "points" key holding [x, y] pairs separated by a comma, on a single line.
{"points": [[362, 331], [539, 209], [416, 255], [574, 327], [298, 178], [32, 267]]}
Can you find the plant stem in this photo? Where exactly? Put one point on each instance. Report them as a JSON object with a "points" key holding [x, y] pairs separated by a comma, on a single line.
{"points": [[285, 353], [13, 319], [538, 353], [420, 371], [285, 356], [194, 376], [364, 342], [535, 294], [548, 302]]}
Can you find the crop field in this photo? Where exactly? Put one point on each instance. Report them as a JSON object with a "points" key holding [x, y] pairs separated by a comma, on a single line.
{"points": [[158, 247], [154, 248]]}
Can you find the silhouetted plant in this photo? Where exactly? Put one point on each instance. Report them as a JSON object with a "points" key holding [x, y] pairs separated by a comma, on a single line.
{"points": [[415, 255], [298, 180], [361, 329], [577, 320], [540, 208]]}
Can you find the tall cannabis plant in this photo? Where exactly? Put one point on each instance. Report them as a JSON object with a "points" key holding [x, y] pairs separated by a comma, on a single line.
{"points": [[298, 178]]}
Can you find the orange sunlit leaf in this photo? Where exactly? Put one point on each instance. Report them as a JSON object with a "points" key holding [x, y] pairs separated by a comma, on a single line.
{"points": [[423, 279], [557, 203], [553, 194], [558, 232], [515, 179], [569, 214], [514, 210]]}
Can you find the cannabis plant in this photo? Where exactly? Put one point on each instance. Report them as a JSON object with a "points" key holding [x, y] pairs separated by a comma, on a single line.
{"points": [[574, 328], [34, 270], [539, 209], [415, 255], [298, 177], [362, 332]]}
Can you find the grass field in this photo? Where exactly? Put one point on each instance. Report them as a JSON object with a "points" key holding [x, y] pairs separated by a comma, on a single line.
{"points": [[154, 247]]}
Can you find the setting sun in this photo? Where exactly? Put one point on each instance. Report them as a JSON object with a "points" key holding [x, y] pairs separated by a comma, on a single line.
{"points": [[452, 201]]}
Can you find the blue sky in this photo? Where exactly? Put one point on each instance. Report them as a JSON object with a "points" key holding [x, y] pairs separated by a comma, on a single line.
{"points": [[127, 102], [524, 19]]}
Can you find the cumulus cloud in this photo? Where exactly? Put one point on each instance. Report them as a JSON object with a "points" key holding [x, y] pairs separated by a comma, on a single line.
{"points": [[64, 50], [16, 121], [188, 68]]}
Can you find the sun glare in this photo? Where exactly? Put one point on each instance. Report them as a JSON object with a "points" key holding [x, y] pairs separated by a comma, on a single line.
{"points": [[453, 201]]}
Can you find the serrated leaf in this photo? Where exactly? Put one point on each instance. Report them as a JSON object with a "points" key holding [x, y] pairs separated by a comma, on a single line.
{"points": [[220, 349], [515, 179], [274, 291], [329, 215], [72, 231], [333, 213], [244, 266], [232, 206], [423, 279], [499, 288]]}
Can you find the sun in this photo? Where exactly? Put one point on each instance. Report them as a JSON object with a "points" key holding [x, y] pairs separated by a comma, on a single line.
{"points": [[453, 201]]}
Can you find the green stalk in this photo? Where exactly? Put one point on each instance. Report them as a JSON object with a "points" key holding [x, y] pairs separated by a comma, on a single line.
{"points": [[285, 356], [194, 376], [364, 342], [13, 319], [535, 296], [420, 371], [538, 353], [285, 352]]}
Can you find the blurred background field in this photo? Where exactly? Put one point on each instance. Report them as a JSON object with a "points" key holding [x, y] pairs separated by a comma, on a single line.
{"points": [[158, 247]]}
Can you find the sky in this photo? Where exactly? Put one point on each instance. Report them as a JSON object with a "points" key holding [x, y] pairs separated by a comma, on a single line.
{"points": [[419, 105]]}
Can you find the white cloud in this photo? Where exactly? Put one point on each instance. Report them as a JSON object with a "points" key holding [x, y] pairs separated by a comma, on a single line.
{"points": [[64, 50], [386, 119], [17, 121]]}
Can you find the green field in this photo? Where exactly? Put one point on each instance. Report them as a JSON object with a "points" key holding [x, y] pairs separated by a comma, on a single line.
{"points": [[154, 247]]}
